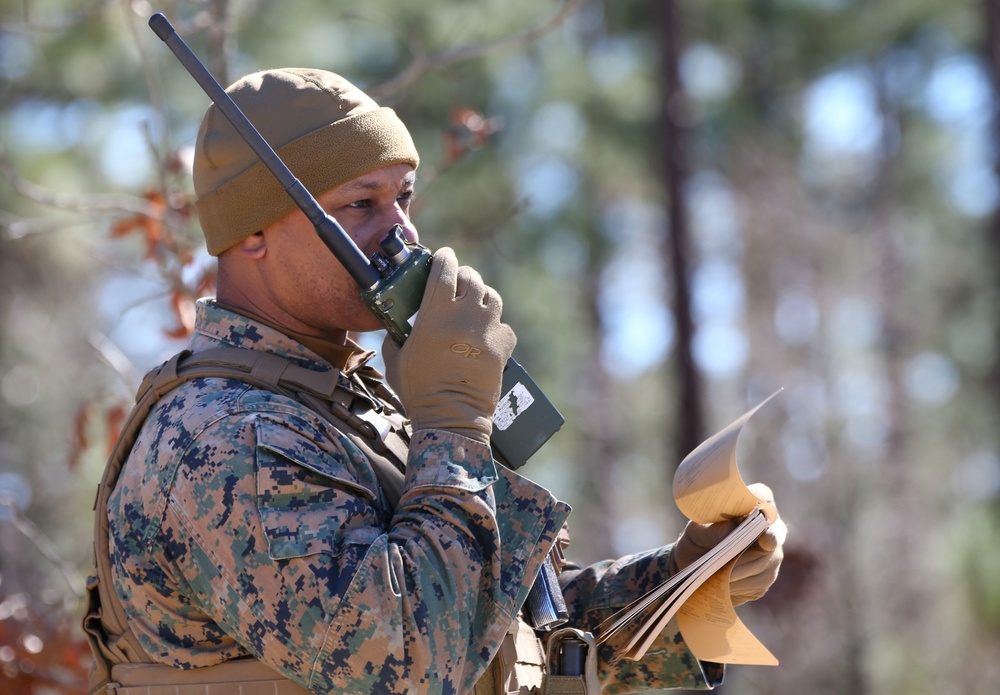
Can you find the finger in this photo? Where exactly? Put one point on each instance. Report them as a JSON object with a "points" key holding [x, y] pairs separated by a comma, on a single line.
{"points": [[474, 287], [444, 269], [503, 340], [707, 536], [774, 536], [749, 591], [753, 563], [762, 491], [754, 586], [463, 281], [492, 300]]}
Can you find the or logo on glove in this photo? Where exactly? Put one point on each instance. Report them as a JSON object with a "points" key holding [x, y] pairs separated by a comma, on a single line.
{"points": [[466, 350]]}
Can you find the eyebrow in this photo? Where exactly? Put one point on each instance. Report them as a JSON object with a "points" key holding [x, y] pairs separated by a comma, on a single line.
{"points": [[376, 185]]}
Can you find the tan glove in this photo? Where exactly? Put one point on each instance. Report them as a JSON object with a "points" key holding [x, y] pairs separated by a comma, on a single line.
{"points": [[447, 373], [755, 570]]}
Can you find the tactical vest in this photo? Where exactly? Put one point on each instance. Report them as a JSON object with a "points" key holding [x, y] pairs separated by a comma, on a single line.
{"points": [[122, 667]]}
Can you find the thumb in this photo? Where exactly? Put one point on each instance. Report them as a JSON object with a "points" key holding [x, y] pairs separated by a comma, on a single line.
{"points": [[390, 356], [707, 536]]}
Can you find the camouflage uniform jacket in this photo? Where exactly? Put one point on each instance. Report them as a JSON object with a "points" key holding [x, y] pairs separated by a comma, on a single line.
{"points": [[245, 524]]}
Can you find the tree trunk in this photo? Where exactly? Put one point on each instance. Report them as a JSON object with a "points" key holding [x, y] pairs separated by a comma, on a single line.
{"points": [[993, 65], [674, 170]]}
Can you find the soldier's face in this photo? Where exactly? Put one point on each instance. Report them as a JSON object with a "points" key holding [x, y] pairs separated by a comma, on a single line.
{"points": [[305, 276]]}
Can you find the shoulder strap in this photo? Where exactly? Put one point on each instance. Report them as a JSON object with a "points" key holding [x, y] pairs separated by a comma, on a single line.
{"points": [[326, 394], [105, 622]]}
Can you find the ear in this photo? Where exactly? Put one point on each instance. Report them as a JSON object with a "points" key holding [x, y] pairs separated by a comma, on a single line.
{"points": [[254, 246]]}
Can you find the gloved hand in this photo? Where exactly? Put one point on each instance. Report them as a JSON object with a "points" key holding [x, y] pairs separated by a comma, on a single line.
{"points": [[755, 570], [447, 373]]}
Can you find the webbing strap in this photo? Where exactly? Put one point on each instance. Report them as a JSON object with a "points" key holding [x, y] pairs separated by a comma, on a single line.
{"points": [[273, 687], [105, 621], [322, 392], [236, 677]]}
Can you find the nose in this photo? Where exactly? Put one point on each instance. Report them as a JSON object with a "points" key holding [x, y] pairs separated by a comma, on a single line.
{"points": [[380, 226], [403, 220], [410, 232]]}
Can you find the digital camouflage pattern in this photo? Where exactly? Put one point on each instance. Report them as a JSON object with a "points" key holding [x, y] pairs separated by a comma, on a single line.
{"points": [[595, 593], [245, 524]]}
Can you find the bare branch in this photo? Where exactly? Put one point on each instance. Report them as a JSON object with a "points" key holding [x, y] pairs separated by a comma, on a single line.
{"points": [[221, 42], [423, 63], [44, 546], [115, 358], [88, 203], [17, 227], [153, 83]]}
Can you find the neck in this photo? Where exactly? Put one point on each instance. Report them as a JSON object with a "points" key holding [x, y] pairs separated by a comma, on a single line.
{"points": [[244, 303]]}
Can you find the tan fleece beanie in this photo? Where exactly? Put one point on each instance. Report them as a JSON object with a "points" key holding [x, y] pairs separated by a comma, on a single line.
{"points": [[326, 130]]}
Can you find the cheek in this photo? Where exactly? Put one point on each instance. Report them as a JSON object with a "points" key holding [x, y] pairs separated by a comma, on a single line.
{"points": [[334, 299], [317, 266], [319, 290], [307, 276], [327, 283]]}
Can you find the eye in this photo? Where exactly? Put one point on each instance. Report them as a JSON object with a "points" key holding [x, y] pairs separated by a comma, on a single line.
{"points": [[360, 204], [405, 197]]}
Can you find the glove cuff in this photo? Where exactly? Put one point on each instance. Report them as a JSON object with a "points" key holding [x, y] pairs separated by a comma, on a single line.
{"points": [[475, 426]]}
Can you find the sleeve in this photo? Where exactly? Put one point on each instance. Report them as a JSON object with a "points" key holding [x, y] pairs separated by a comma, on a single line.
{"points": [[595, 593], [275, 524]]}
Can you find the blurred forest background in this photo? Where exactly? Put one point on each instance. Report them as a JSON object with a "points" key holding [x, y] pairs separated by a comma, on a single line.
{"points": [[685, 205]]}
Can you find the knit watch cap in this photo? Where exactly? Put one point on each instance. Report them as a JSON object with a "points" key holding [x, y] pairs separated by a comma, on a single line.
{"points": [[325, 129]]}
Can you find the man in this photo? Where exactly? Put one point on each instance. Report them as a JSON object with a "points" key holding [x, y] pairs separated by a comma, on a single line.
{"points": [[256, 522]]}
